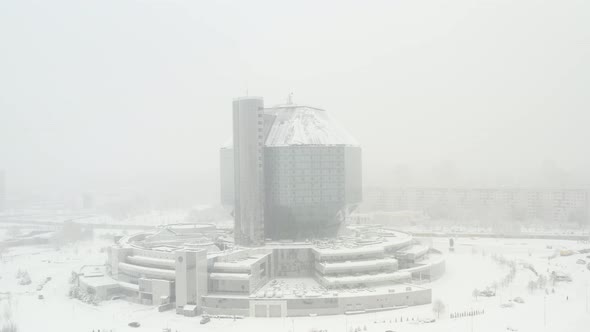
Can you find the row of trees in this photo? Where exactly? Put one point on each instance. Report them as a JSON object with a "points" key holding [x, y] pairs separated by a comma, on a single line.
{"points": [[540, 283], [509, 277]]}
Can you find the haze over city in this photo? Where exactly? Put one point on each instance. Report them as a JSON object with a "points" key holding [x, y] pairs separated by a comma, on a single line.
{"points": [[134, 94], [306, 166]]}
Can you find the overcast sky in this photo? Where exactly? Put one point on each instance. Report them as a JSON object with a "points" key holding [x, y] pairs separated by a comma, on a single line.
{"points": [[119, 93]]}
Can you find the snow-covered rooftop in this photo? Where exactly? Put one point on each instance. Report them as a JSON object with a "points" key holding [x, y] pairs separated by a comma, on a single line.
{"points": [[366, 264], [100, 281], [367, 278], [229, 276], [240, 264], [304, 125]]}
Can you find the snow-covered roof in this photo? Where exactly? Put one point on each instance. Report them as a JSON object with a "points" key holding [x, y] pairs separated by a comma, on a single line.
{"points": [[343, 251], [239, 265], [150, 271], [366, 278], [366, 264], [304, 125], [151, 261], [190, 307], [99, 281], [413, 250], [229, 276]]}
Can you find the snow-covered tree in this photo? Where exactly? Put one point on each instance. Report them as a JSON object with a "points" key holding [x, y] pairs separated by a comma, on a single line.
{"points": [[23, 277], [438, 307], [542, 281], [8, 324], [532, 285], [73, 277]]}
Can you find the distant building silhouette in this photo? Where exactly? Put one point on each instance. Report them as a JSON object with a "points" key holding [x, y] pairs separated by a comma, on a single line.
{"points": [[551, 206]]}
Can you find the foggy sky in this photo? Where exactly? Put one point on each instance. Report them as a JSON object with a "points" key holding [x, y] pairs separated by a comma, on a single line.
{"points": [[116, 94]]}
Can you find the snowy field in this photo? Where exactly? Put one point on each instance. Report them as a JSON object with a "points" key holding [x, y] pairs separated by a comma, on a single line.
{"points": [[471, 266]]}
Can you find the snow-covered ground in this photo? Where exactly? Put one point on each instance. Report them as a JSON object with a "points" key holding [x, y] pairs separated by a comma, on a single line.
{"points": [[470, 266]]}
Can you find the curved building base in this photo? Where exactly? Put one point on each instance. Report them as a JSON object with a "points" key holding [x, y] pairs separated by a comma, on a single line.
{"points": [[181, 267]]}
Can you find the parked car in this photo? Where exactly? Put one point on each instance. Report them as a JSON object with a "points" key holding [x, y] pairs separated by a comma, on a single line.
{"points": [[518, 300], [566, 252], [205, 320], [134, 324]]}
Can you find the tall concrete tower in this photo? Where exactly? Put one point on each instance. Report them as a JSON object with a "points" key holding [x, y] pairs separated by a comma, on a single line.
{"points": [[248, 142]]}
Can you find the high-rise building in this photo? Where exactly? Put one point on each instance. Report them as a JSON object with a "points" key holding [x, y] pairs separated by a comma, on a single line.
{"points": [[297, 173], [550, 206], [248, 126]]}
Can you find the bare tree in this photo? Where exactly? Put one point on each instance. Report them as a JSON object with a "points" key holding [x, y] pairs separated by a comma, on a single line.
{"points": [[438, 307], [495, 285], [542, 281], [532, 285], [552, 278], [475, 293]]}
